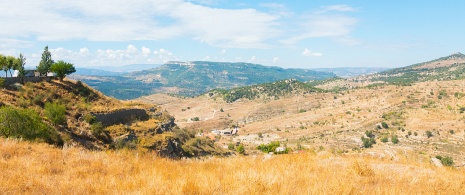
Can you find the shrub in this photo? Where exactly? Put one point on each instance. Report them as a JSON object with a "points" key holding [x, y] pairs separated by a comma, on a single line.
{"points": [[429, 134], [56, 113], [89, 118], [394, 139], [195, 119], [2, 82], [241, 149], [368, 142], [97, 130], [385, 125], [384, 139], [231, 146], [30, 127], [369, 134], [446, 161], [451, 131]]}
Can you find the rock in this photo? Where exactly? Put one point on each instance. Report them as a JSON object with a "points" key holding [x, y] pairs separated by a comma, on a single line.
{"points": [[436, 162]]}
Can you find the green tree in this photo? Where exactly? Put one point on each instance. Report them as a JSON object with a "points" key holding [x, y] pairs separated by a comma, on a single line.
{"points": [[10, 64], [56, 113], [19, 63], [44, 66], [62, 69], [3, 64]]}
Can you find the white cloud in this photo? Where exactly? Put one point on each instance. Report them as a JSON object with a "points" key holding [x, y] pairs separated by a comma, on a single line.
{"points": [[339, 8], [253, 59], [145, 50], [275, 59], [308, 52], [223, 51], [323, 24], [120, 20], [107, 57]]}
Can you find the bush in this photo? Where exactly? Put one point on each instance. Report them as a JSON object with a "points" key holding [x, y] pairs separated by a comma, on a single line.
{"points": [[231, 146], [56, 113], [97, 130], [384, 139], [195, 119], [26, 124], [429, 134], [368, 142], [394, 139], [369, 134], [241, 149], [89, 118], [2, 82], [385, 125], [446, 161]]}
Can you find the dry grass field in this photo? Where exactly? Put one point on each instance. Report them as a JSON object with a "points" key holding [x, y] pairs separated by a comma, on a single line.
{"points": [[31, 168]]}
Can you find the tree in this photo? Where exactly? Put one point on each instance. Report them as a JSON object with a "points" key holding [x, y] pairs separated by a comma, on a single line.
{"points": [[44, 66], [3, 64], [10, 64], [62, 69], [20, 62]]}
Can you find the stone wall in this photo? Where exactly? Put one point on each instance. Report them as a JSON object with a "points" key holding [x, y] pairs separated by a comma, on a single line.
{"points": [[12, 80], [121, 116]]}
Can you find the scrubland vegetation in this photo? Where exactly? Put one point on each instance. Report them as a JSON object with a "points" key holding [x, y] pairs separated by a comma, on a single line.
{"points": [[43, 169]]}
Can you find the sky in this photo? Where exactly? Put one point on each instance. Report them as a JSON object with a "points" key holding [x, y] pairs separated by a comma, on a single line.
{"points": [[289, 34]]}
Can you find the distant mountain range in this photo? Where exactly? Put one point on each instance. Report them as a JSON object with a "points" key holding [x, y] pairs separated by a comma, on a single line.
{"points": [[347, 72], [191, 78]]}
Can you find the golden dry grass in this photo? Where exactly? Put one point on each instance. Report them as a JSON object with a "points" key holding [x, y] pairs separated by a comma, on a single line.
{"points": [[30, 168]]}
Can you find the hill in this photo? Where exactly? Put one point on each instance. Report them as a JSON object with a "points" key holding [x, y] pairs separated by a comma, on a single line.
{"points": [[194, 78], [274, 90], [71, 113], [426, 118]]}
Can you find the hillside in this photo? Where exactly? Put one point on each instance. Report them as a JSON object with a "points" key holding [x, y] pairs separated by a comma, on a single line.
{"points": [[69, 113], [426, 118], [195, 78], [274, 90]]}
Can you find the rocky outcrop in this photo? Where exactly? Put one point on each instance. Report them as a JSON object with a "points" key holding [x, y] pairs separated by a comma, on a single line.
{"points": [[168, 148]]}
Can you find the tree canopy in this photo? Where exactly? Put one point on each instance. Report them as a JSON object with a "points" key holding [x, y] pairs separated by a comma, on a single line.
{"points": [[62, 68], [46, 62]]}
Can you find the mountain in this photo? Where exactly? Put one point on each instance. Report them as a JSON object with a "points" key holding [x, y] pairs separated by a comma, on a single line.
{"points": [[95, 72], [195, 78], [347, 72], [451, 67]]}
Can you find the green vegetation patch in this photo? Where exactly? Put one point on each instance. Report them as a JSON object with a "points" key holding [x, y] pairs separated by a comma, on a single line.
{"points": [[26, 124]]}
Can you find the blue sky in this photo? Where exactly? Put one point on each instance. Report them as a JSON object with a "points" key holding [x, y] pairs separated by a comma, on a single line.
{"points": [[289, 34]]}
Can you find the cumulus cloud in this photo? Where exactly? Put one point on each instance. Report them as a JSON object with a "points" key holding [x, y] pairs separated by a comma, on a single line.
{"points": [[105, 57], [121, 20], [308, 52]]}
